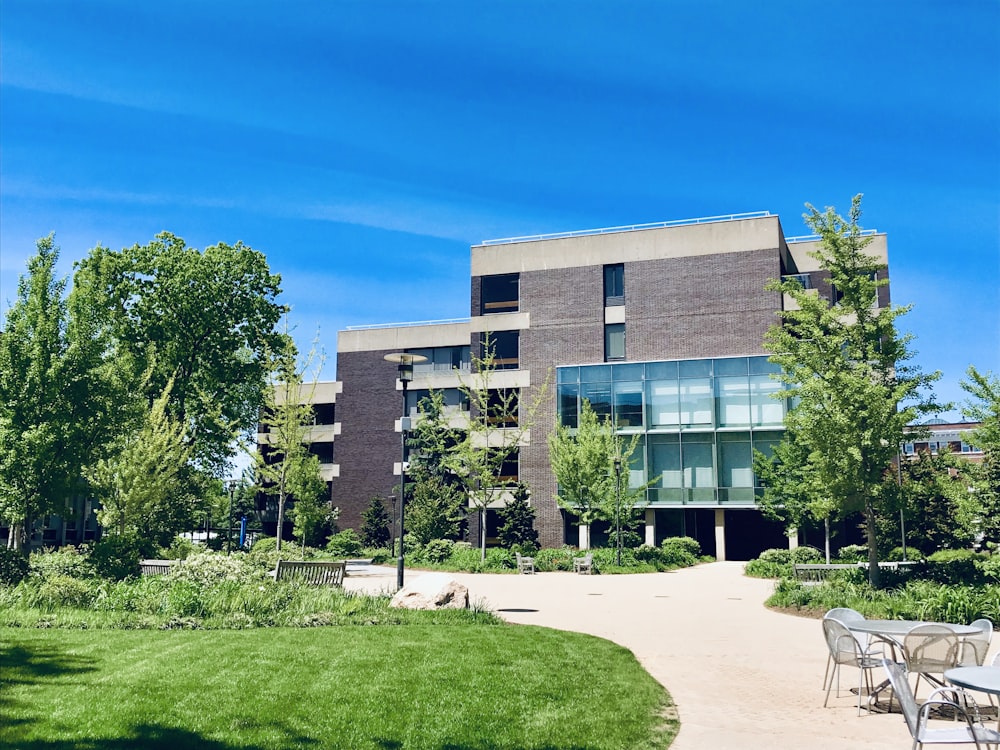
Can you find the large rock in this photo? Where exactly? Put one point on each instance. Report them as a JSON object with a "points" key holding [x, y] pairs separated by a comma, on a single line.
{"points": [[432, 591]]}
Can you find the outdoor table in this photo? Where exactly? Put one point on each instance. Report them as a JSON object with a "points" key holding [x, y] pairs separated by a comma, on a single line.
{"points": [[982, 679], [892, 631]]}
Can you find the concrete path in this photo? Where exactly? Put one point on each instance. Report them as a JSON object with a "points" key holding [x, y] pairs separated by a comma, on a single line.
{"points": [[742, 676]]}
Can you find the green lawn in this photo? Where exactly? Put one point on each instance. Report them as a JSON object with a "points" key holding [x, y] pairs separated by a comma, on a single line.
{"points": [[463, 686]]}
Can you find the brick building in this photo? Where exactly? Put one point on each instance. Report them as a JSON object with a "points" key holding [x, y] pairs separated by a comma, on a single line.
{"points": [[660, 326]]}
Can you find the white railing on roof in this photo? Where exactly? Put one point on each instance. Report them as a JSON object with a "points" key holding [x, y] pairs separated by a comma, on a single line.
{"points": [[628, 228], [410, 324], [816, 237]]}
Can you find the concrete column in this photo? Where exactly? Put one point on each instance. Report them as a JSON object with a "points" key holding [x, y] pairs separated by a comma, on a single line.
{"points": [[720, 534], [793, 538], [650, 527], [584, 536]]}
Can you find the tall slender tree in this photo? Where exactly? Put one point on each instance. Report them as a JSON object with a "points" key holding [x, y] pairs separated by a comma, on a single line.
{"points": [[848, 371], [63, 395], [499, 423], [284, 466]]}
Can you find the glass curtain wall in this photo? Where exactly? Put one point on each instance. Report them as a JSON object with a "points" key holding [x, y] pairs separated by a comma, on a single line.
{"points": [[699, 422]]}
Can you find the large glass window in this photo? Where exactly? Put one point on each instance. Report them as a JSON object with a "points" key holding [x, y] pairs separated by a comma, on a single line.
{"points": [[698, 459], [665, 460], [500, 293], [454, 400], [735, 460], [732, 401], [696, 402], [614, 342], [599, 396], [662, 403], [569, 394], [614, 284], [765, 410], [628, 405], [501, 407]]}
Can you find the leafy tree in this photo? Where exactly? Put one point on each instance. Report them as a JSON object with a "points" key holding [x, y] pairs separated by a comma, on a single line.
{"points": [[435, 495], [375, 524], [284, 466], [583, 462], [313, 518], [63, 395], [934, 498], [204, 319], [498, 425], [142, 484], [984, 407], [846, 367], [517, 522]]}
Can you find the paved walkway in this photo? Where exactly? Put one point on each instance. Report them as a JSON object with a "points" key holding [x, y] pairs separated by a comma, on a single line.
{"points": [[742, 676]]}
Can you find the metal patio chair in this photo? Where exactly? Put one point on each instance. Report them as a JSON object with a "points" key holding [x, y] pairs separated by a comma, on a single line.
{"points": [[847, 650], [971, 732], [930, 650]]}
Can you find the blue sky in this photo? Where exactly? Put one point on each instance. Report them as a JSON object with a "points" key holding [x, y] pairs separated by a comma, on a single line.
{"points": [[365, 145]]}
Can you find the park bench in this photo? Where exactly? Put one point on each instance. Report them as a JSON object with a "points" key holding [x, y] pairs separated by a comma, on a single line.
{"points": [[320, 573], [155, 567], [584, 565], [818, 572]]}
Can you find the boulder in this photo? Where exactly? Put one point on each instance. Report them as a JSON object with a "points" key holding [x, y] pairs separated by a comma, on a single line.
{"points": [[432, 591]]}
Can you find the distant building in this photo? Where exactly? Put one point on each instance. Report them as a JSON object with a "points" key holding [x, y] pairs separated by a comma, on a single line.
{"points": [[951, 435]]}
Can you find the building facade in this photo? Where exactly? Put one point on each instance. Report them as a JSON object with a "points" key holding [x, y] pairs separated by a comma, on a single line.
{"points": [[661, 325]]}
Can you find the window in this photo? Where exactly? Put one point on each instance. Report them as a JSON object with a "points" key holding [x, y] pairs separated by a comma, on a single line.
{"points": [[803, 279], [628, 405], [322, 451], [499, 293], [324, 413], [441, 359], [502, 346], [568, 398], [614, 285], [614, 342], [501, 407]]}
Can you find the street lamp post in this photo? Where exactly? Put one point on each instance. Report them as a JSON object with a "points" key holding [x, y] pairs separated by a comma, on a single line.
{"points": [[618, 510], [404, 371], [231, 487]]}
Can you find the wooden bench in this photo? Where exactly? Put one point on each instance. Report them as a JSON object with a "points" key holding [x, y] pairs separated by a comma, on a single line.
{"points": [[584, 565], [525, 564], [155, 567], [319, 573]]}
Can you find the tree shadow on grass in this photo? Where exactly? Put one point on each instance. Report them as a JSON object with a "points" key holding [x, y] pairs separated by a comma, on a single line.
{"points": [[20, 665]]}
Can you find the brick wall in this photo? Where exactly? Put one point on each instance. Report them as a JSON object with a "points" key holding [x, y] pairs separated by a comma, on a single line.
{"points": [[367, 446]]}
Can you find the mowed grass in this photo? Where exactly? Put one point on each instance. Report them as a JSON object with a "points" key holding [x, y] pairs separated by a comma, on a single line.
{"points": [[405, 686]]}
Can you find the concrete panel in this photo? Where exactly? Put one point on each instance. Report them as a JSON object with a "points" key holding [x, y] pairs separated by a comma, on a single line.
{"points": [[627, 246], [395, 338]]}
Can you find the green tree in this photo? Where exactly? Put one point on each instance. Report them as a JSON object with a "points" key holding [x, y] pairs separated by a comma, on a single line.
{"points": [[63, 395], [143, 484], [204, 319], [583, 461], [499, 423], [435, 495], [846, 367], [313, 517], [517, 522], [375, 524], [934, 498], [984, 407], [284, 466]]}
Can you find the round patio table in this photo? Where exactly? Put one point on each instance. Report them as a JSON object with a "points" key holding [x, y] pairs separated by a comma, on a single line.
{"points": [[983, 679]]}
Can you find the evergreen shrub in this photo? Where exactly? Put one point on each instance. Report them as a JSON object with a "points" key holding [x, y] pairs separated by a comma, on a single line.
{"points": [[14, 566]]}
